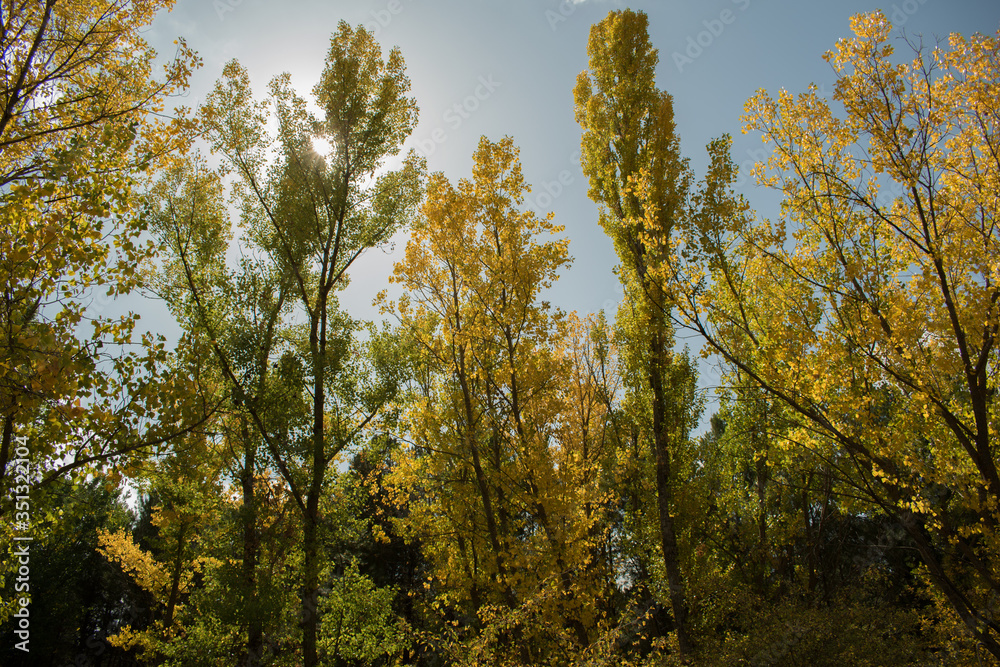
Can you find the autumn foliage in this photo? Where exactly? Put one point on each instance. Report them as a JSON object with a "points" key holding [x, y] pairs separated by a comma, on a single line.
{"points": [[483, 477]]}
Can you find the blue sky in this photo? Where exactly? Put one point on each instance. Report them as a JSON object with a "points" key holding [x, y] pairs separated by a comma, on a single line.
{"points": [[499, 68]]}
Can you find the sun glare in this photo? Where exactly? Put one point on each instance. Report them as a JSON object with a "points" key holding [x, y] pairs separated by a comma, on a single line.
{"points": [[322, 146]]}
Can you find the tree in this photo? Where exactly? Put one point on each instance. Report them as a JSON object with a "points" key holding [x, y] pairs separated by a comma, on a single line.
{"points": [[308, 217], [185, 519], [869, 310], [77, 88], [499, 444], [246, 310], [79, 394], [77, 132], [631, 154]]}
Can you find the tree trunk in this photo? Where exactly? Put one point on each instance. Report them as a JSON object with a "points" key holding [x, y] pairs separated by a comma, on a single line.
{"points": [[664, 495], [310, 590], [481, 482], [251, 549], [764, 549], [175, 579], [8, 439], [310, 538]]}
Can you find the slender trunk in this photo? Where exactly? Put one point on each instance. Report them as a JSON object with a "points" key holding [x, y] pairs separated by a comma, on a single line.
{"points": [[762, 545], [971, 616], [251, 549], [484, 489], [310, 590], [573, 622], [471, 572], [812, 539], [821, 524], [557, 546], [664, 493], [175, 580], [504, 526], [8, 439], [310, 538]]}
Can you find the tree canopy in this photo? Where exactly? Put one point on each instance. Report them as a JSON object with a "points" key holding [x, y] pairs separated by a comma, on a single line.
{"points": [[483, 477]]}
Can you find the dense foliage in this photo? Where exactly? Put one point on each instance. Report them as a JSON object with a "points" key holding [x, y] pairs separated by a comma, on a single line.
{"points": [[484, 478]]}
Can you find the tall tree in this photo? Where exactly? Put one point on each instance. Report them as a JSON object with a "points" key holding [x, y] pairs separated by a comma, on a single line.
{"points": [[80, 598], [311, 216], [500, 445], [631, 154], [870, 309]]}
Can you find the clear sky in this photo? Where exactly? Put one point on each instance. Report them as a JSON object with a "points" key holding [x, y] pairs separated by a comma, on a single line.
{"points": [[507, 67]]}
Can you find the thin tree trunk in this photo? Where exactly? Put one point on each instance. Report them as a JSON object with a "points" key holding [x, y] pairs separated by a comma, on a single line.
{"points": [[251, 548], [310, 590], [762, 544], [481, 482], [310, 538], [8, 439], [175, 582], [664, 494]]}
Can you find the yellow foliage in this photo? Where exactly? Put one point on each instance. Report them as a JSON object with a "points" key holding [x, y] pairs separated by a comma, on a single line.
{"points": [[869, 310], [140, 565], [501, 451]]}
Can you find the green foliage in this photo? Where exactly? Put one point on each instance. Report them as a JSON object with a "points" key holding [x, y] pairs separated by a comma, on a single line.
{"points": [[284, 352], [360, 624]]}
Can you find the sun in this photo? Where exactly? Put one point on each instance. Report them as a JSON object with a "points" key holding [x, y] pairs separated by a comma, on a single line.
{"points": [[322, 146]]}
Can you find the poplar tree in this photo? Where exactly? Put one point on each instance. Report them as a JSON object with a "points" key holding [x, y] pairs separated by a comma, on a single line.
{"points": [[307, 217], [631, 155]]}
